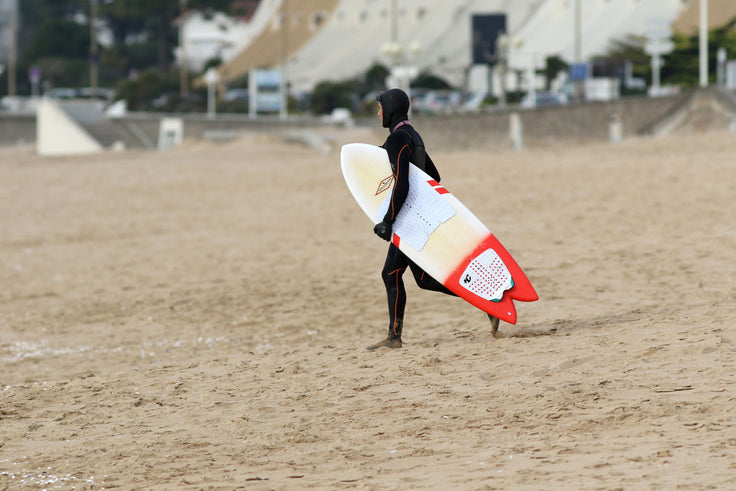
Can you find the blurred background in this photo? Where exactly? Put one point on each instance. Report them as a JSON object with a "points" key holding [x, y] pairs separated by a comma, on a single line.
{"points": [[326, 60]]}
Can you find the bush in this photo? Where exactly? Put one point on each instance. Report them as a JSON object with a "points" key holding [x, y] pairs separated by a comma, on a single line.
{"points": [[149, 85], [327, 96]]}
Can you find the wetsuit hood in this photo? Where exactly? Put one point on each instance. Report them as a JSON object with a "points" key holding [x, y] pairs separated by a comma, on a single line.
{"points": [[395, 106]]}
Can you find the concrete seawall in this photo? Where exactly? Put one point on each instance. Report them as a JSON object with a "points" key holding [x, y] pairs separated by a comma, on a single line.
{"points": [[561, 125], [17, 129], [575, 123]]}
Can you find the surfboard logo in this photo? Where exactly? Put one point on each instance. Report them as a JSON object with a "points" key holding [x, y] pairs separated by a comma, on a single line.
{"points": [[487, 276], [385, 184]]}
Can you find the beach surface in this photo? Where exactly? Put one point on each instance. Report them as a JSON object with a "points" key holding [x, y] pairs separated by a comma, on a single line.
{"points": [[198, 318]]}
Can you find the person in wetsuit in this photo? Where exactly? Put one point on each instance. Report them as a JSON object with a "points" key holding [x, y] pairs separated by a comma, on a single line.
{"points": [[403, 145]]}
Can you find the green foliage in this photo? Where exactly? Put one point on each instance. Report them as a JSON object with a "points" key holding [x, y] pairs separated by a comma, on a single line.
{"points": [[682, 66], [150, 84], [59, 38], [554, 65], [212, 63], [64, 72], [426, 80], [34, 12], [330, 95], [375, 78]]}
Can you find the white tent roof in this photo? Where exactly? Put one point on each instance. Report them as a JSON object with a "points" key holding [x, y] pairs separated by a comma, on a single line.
{"points": [[355, 33]]}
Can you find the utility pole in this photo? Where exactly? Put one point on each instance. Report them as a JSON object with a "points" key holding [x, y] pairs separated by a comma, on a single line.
{"points": [[703, 43], [284, 88], [502, 46], [394, 21], [94, 55], [13, 49], [578, 55], [183, 62]]}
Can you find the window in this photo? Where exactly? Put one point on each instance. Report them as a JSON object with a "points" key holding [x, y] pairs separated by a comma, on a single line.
{"points": [[318, 18]]}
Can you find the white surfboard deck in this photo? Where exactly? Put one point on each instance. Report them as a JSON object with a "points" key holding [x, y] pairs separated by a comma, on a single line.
{"points": [[436, 231]]}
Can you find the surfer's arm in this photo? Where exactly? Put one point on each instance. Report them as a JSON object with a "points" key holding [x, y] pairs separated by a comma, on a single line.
{"points": [[399, 154], [430, 168]]}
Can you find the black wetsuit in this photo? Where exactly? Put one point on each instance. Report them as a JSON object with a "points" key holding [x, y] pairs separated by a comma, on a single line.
{"points": [[403, 145]]}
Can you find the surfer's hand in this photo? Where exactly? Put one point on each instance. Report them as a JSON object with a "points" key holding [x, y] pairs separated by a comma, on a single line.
{"points": [[383, 230]]}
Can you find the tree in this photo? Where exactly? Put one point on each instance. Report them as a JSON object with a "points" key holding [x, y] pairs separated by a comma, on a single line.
{"points": [[375, 78], [149, 84], [426, 80], [327, 96], [46, 41], [681, 67], [554, 65]]}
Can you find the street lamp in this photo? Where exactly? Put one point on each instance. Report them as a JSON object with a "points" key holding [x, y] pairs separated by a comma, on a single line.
{"points": [[94, 53], [703, 43], [183, 62], [504, 43], [402, 68], [211, 77]]}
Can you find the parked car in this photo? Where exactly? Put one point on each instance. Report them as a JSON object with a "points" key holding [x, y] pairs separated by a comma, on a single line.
{"points": [[544, 99], [237, 95], [438, 101], [62, 93]]}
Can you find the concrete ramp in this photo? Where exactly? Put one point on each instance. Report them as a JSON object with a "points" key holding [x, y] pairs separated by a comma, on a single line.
{"points": [[57, 133], [698, 111], [89, 115], [79, 127]]}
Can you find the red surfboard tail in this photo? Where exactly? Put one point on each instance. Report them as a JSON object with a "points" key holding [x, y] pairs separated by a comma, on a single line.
{"points": [[503, 308]]}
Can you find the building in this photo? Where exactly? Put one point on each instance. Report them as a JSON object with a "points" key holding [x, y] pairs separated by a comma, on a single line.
{"points": [[720, 12], [205, 36], [315, 40], [8, 12]]}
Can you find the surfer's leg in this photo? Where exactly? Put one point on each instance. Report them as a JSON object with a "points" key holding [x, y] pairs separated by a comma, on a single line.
{"points": [[392, 274], [393, 269], [426, 282], [494, 324]]}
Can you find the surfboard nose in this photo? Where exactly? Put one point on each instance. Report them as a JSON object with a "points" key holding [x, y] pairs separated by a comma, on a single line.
{"points": [[349, 151]]}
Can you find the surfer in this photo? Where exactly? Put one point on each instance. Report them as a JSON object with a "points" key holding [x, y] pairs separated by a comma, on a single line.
{"points": [[403, 145]]}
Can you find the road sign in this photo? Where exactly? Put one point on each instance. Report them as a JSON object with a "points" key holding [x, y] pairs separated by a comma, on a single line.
{"points": [[658, 29], [578, 71], [34, 74], [659, 47]]}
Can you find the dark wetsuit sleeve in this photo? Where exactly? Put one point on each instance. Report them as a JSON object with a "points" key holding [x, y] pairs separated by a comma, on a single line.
{"points": [[430, 169], [399, 154]]}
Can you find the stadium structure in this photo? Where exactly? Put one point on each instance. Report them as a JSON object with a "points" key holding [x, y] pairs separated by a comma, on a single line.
{"points": [[316, 40]]}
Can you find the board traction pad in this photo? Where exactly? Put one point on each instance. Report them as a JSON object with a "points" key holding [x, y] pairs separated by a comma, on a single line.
{"points": [[423, 211], [487, 276]]}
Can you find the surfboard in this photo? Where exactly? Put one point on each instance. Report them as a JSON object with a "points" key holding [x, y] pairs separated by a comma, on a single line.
{"points": [[440, 234]]}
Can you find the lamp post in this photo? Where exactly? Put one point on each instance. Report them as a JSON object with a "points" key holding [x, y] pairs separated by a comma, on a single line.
{"points": [[183, 62], [211, 77], [703, 43], [502, 46], [402, 68], [94, 54], [504, 43], [578, 55], [13, 49], [283, 87]]}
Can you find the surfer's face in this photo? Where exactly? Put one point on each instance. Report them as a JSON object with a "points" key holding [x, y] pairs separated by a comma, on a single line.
{"points": [[380, 112]]}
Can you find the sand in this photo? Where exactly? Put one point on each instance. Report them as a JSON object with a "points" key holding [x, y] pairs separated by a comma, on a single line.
{"points": [[198, 319]]}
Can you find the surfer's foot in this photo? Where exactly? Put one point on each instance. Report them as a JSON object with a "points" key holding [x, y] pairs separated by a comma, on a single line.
{"points": [[386, 343], [494, 324]]}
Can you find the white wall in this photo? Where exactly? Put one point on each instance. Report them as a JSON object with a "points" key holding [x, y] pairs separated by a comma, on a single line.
{"points": [[207, 38], [57, 134]]}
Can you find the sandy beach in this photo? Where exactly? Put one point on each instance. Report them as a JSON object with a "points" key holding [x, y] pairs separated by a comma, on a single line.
{"points": [[197, 319]]}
